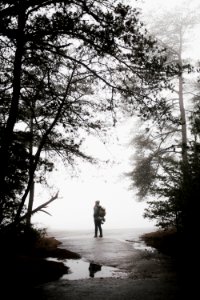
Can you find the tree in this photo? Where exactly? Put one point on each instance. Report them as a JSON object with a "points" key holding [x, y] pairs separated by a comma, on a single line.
{"points": [[172, 29], [161, 167], [57, 54]]}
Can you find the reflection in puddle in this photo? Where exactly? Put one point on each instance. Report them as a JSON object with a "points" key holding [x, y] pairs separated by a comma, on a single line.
{"points": [[93, 268], [80, 269]]}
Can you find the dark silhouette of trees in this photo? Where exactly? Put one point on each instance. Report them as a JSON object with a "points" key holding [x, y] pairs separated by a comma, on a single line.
{"points": [[57, 57]]}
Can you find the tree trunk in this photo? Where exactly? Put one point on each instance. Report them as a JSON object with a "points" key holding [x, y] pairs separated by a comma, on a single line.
{"points": [[181, 106], [30, 205], [31, 192], [7, 137], [183, 122]]}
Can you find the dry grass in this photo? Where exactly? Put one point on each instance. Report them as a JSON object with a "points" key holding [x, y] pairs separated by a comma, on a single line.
{"points": [[48, 247]]}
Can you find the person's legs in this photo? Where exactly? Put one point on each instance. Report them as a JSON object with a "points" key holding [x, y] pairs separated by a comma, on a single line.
{"points": [[100, 229], [97, 224], [95, 228]]}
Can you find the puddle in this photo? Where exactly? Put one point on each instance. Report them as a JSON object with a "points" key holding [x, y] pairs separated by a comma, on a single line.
{"points": [[142, 246], [80, 269]]}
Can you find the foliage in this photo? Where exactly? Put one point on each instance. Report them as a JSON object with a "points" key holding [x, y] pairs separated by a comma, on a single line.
{"points": [[16, 182], [24, 239], [158, 174], [161, 175], [56, 59], [165, 241]]}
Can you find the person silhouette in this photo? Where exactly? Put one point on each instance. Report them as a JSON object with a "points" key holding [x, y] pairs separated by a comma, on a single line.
{"points": [[93, 268], [97, 220]]}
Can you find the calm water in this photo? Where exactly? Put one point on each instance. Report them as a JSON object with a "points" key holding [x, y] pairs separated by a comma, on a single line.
{"points": [[82, 240]]}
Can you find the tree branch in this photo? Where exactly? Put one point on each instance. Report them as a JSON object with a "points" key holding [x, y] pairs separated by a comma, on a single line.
{"points": [[39, 208]]}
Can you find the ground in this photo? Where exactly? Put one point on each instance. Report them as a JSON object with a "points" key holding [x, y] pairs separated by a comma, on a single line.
{"points": [[153, 276]]}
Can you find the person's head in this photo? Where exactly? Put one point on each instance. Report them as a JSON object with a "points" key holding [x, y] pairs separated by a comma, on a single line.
{"points": [[97, 202]]}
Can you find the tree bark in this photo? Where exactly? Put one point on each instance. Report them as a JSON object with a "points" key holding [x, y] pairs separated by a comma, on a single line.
{"points": [[7, 137]]}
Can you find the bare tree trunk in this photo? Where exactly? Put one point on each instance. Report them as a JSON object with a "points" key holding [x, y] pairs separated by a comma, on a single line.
{"points": [[182, 108], [31, 166], [186, 201], [30, 204], [183, 122]]}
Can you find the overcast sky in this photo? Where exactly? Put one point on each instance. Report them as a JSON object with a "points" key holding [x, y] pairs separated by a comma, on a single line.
{"points": [[74, 208]]}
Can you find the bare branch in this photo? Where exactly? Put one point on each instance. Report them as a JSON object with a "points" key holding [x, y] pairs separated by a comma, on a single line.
{"points": [[40, 207]]}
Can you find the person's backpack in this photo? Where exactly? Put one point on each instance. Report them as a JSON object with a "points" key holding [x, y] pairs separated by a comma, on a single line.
{"points": [[102, 212]]}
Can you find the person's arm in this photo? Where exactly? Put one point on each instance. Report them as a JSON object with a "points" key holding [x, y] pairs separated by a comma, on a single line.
{"points": [[96, 211]]}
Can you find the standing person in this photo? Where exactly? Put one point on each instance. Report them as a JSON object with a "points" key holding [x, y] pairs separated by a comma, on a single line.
{"points": [[97, 220]]}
